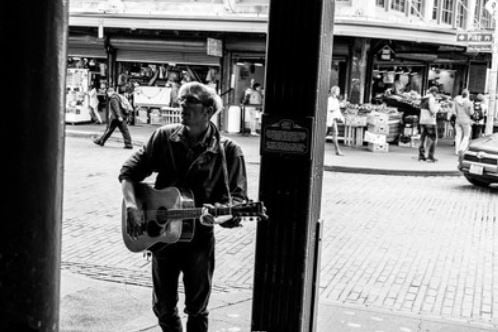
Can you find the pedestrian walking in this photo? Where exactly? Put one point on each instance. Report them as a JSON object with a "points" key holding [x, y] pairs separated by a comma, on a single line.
{"points": [[463, 122], [333, 116], [119, 110], [428, 129], [192, 155]]}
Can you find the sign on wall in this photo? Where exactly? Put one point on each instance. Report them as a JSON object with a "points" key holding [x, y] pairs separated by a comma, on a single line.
{"points": [[290, 137], [476, 41], [214, 47]]}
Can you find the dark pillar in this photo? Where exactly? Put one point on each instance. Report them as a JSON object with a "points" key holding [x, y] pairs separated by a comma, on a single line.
{"points": [[34, 39], [299, 56]]}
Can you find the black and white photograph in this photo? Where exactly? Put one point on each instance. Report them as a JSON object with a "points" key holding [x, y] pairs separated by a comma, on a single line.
{"points": [[250, 166]]}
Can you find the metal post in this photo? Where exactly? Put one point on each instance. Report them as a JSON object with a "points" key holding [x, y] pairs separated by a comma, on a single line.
{"points": [[34, 35], [492, 107], [292, 147]]}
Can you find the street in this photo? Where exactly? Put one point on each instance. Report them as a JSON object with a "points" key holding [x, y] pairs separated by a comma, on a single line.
{"points": [[406, 245]]}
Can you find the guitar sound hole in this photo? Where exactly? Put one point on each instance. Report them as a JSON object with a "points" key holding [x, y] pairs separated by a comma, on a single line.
{"points": [[153, 229], [161, 216]]}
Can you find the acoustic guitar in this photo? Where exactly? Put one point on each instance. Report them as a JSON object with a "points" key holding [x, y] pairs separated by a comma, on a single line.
{"points": [[170, 215]]}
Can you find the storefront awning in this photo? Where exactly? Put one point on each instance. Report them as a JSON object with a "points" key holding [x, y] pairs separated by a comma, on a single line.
{"points": [[391, 31], [86, 46], [343, 26], [185, 23], [163, 51]]}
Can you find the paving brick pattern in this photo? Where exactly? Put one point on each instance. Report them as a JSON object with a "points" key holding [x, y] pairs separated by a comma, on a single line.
{"points": [[407, 244], [410, 244]]}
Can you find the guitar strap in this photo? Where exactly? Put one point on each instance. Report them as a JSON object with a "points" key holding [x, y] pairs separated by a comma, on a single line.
{"points": [[225, 171]]}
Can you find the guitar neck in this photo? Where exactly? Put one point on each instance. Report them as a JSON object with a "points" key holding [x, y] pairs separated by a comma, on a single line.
{"points": [[194, 213]]}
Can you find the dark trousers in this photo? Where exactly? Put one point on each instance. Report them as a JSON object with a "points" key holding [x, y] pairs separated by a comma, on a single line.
{"points": [[196, 262], [122, 126], [477, 130], [429, 134]]}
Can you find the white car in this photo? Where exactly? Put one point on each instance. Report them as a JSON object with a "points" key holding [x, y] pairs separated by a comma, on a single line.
{"points": [[479, 163]]}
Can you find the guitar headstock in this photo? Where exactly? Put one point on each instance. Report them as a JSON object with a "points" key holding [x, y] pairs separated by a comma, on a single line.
{"points": [[250, 210]]}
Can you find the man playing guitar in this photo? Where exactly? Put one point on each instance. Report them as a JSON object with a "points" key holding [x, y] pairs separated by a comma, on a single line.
{"points": [[189, 155]]}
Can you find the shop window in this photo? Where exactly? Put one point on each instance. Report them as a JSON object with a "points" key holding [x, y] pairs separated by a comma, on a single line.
{"points": [[482, 16], [435, 9], [417, 8], [443, 11], [398, 5], [380, 3], [447, 12]]}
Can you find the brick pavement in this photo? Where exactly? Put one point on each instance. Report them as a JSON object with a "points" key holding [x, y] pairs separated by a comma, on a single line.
{"points": [[430, 253]]}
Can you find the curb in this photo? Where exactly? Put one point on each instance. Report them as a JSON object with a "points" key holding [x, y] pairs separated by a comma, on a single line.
{"points": [[394, 172], [326, 168]]}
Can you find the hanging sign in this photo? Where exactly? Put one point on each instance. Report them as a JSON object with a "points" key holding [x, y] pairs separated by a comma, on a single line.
{"points": [[476, 41], [480, 37], [286, 136], [214, 47], [386, 53]]}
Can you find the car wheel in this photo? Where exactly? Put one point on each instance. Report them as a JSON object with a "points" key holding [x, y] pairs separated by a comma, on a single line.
{"points": [[476, 182]]}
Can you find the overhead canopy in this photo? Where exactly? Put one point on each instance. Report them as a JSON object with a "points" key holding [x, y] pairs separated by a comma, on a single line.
{"points": [[343, 26], [163, 51], [86, 46]]}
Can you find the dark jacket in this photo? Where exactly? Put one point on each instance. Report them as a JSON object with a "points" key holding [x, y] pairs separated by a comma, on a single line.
{"points": [[116, 110], [166, 153]]}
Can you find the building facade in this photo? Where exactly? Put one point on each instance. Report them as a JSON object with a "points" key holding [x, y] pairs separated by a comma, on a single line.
{"points": [[223, 42]]}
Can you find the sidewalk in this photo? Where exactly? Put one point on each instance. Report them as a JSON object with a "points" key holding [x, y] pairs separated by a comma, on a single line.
{"points": [[398, 161], [89, 305]]}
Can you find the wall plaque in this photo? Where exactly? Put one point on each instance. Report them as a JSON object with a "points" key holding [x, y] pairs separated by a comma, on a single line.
{"points": [[286, 136]]}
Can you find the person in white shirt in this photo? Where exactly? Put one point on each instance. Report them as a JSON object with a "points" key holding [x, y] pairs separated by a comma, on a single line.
{"points": [[94, 102], [428, 126], [333, 115], [463, 122]]}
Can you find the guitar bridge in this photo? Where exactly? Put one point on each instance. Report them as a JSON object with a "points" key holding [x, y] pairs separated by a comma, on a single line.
{"points": [[188, 230]]}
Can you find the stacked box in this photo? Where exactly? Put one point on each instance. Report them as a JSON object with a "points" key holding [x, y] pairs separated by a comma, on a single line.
{"points": [[378, 147], [374, 138], [379, 129], [386, 124], [376, 142], [377, 119]]}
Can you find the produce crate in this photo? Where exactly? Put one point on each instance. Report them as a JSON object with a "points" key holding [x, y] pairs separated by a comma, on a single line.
{"points": [[378, 147]]}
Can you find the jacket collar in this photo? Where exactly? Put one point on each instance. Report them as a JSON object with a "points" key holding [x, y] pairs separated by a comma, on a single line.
{"points": [[210, 140]]}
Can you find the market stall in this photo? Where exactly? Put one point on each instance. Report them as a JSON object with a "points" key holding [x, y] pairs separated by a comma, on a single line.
{"points": [[152, 105], [393, 122]]}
